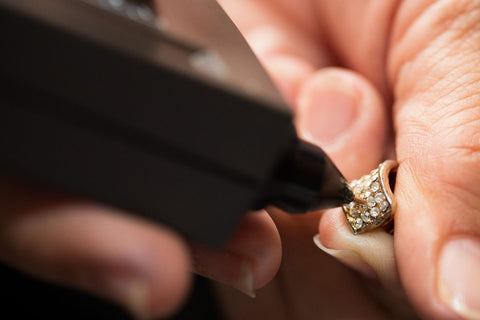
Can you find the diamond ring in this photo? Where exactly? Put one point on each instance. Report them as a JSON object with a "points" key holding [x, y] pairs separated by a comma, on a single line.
{"points": [[374, 204]]}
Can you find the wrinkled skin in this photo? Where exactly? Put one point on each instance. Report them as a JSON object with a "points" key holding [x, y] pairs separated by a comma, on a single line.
{"points": [[395, 77], [423, 59]]}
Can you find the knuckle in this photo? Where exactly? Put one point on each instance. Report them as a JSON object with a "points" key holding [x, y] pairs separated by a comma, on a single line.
{"points": [[455, 169], [439, 43], [444, 153]]}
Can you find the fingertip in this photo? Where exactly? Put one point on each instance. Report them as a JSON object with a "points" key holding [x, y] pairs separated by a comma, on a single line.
{"points": [[170, 275], [367, 253], [131, 262], [341, 110], [257, 239], [249, 260], [289, 73]]}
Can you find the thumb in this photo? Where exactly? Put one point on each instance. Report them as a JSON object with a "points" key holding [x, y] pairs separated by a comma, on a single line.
{"points": [[435, 70]]}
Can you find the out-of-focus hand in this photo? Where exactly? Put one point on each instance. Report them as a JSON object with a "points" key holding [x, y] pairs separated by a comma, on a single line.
{"points": [[423, 58], [144, 267]]}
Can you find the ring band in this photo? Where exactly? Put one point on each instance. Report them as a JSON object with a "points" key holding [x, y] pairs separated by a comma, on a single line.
{"points": [[374, 204]]}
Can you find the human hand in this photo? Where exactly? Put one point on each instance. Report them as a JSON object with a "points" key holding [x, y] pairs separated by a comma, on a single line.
{"points": [[424, 56], [144, 267]]}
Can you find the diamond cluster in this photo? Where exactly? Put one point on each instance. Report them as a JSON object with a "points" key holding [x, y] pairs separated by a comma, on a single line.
{"points": [[376, 207]]}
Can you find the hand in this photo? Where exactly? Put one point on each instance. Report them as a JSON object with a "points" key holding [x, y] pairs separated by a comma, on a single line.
{"points": [[421, 57]]}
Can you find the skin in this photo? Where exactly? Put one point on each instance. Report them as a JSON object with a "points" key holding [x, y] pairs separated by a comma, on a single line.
{"points": [[411, 71], [422, 58]]}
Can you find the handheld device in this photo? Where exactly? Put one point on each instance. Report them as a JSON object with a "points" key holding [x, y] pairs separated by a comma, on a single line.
{"points": [[170, 117]]}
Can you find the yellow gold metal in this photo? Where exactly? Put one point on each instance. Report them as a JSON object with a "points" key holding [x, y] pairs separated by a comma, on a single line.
{"points": [[359, 200], [374, 204]]}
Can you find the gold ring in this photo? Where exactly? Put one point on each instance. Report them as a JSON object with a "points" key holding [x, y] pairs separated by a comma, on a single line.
{"points": [[374, 204]]}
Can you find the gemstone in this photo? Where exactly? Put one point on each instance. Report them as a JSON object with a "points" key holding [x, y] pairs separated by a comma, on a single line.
{"points": [[371, 202], [355, 212], [375, 177], [367, 182], [375, 186], [384, 206], [351, 205], [379, 197], [374, 212], [366, 217], [357, 189], [368, 194], [358, 223]]}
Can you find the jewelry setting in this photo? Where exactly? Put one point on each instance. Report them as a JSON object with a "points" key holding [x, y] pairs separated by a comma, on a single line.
{"points": [[374, 204]]}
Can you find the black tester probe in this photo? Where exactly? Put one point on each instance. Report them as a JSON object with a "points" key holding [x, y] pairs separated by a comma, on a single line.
{"points": [[167, 116]]}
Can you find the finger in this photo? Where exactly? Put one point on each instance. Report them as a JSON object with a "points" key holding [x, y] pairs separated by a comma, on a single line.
{"points": [[359, 33], [285, 36], [289, 74], [331, 94], [343, 113], [360, 150], [142, 267], [305, 266], [371, 253], [434, 67], [250, 259], [280, 27]]}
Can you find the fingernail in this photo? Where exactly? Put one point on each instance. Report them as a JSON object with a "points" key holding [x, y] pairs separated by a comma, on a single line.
{"points": [[328, 113], [348, 257], [132, 294], [136, 302], [224, 267], [245, 281], [459, 276]]}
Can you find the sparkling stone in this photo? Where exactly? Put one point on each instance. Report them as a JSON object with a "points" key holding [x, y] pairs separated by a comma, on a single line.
{"points": [[374, 212], [366, 217], [368, 194], [384, 206], [379, 197], [355, 212], [375, 177], [351, 205], [375, 186], [371, 202], [357, 189], [367, 182], [358, 223]]}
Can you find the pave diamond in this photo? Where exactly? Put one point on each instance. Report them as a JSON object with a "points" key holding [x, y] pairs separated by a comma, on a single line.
{"points": [[375, 186], [357, 189], [373, 207], [355, 212], [358, 223], [379, 197], [384, 206], [374, 212], [371, 202], [366, 217]]}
